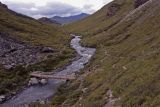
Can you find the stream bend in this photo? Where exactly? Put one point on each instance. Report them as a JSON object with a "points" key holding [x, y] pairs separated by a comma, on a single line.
{"points": [[40, 93]]}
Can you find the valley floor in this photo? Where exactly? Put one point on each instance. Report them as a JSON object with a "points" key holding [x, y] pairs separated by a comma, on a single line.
{"points": [[125, 69], [126, 61]]}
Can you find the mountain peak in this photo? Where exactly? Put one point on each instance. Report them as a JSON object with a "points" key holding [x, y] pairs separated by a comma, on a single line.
{"points": [[69, 19], [48, 21], [83, 14], [3, 5]]}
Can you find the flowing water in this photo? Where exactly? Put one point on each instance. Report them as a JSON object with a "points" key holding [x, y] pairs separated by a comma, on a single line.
{"points": [[40, 93]]}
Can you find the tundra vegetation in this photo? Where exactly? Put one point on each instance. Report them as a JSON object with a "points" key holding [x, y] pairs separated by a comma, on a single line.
{"points": [[126, 61]]}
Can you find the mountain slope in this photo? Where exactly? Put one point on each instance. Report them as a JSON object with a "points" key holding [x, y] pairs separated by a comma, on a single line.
{"points": [[28, 28], [28, 45], [70, 19], [126, 62], [102, 19], [48, 21]]}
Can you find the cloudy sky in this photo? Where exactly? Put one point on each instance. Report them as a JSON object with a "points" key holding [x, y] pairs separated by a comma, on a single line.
{"points": [[49, 8]]}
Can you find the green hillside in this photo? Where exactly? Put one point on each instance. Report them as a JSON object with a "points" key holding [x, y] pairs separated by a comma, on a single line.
{"points": [[35, 33], [126, 61], [102, 19], [31, 30]]}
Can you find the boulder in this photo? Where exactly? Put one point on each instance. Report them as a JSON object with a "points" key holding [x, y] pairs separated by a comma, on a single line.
{"points": [[26, 105], [42, 102], [2, 98], [43, 81], [33, 81], [47, 50], [85, 90]]}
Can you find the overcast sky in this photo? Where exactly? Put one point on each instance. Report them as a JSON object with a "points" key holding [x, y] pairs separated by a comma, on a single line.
{"points": [[49, 8]]}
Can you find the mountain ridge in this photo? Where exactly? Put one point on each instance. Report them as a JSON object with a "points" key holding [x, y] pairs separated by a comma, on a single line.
{"points": [[48, 21], [69, 19]]}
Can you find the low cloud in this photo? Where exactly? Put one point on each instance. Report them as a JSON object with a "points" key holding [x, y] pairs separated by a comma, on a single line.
{"points": [[88, 8], [56, 8], [48, 10]]}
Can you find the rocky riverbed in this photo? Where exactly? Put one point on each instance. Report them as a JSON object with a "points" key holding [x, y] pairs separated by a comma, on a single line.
{"points": [[43, 92], [14, 52]]}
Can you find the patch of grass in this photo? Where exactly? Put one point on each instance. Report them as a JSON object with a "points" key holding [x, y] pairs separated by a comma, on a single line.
{"points": [[68, 93], [12, 80]]}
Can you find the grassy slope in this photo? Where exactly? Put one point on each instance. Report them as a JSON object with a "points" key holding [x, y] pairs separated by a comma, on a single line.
{"points": [[35, 33], [127, 61], [31, 30], [100, 21]]}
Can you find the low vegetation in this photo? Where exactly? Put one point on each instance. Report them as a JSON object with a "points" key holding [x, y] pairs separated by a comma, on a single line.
{"points": [[126, 61], [35, 33]]}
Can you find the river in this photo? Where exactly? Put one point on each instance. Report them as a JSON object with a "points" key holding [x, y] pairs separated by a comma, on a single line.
{"points": [[40, 93]]}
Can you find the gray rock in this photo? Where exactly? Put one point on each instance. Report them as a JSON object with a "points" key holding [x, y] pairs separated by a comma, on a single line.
{"points": [[42, 102], [26, 105], [47, 50], [85, 90], [33, 81], [43, 81], [2, 98]]}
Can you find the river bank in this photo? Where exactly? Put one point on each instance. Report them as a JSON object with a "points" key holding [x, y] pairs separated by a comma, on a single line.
{"points": [[41, 93]]}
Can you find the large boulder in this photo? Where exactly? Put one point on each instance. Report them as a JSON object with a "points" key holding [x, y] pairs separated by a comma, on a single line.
{"points": [[33, 81], [43, 81], [139, 3], [2, 98]]}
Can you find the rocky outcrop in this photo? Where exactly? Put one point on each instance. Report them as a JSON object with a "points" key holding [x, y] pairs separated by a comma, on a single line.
{"points": [[139, 3], [14, 52], [113, 9], [3, 5], [33, 81], [2, 98]]}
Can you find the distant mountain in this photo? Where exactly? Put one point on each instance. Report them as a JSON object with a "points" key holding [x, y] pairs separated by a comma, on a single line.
{"points": [[70, 19], [48, 21]]}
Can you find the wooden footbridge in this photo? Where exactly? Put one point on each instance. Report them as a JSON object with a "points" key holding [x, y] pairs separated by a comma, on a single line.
{"points": [[50, 75]]}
